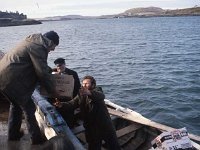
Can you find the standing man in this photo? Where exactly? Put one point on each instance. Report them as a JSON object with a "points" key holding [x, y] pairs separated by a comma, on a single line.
{"points": [[97, 121], [21, 69], [67, 114]]}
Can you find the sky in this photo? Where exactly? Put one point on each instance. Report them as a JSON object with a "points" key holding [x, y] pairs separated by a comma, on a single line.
{"points": [[48, 8]]}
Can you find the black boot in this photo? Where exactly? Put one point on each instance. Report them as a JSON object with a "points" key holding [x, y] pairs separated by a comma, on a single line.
{"points": [[38, 141], [17, 137]]}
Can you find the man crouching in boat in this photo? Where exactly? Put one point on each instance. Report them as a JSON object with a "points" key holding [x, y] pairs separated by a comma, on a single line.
{"points": [[20, 71], [97, 121]]}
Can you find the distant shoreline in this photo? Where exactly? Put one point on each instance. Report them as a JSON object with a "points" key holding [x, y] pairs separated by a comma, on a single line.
{"points": [[48, 20], [5, 22], [16, 19], [146, 12]]}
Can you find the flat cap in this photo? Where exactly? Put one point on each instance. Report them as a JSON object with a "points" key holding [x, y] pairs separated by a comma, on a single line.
{"points": [[59, 61]]}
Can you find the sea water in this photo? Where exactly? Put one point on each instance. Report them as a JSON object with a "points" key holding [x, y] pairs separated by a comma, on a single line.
{"points": [[151, 65]]}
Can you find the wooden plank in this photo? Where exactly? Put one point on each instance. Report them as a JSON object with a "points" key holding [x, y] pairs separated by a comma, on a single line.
{"points": [[136, 117], [120, 132], [128, 129]]}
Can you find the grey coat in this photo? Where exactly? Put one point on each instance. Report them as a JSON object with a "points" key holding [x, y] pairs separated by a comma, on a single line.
{"points": [[24, 66]]}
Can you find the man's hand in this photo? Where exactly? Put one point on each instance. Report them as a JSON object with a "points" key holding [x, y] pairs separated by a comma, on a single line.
{"points": [[57, 103], [84, 92]]}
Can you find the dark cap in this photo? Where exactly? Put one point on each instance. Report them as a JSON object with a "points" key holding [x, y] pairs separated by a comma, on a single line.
{"points": [[53, 36], [59, 61]]}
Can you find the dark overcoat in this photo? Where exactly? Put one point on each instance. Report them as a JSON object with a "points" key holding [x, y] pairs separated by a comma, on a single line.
{"points": [[22, 68], [97, 121]]}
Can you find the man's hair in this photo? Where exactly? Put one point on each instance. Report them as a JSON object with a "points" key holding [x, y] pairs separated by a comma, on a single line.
{"points": [[93, 81]]}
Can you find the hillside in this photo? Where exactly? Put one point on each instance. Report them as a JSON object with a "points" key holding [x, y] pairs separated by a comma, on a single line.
{"points": [[187, 11], [156, 11], [67, 17], [134, 12], [144, 11]]}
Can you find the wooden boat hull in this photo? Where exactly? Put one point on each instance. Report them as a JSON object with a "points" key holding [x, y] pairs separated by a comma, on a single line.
{"points": [[134, 131], [51, 122]]}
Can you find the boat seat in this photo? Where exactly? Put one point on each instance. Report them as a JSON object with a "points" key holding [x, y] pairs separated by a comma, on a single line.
{"points": [[128, 129]]}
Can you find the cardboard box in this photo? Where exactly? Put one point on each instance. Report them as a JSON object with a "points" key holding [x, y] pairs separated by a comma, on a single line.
{"points": [[177, 139], [64, 86]]}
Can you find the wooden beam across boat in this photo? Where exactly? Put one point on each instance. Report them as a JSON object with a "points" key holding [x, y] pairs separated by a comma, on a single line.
{"points": [[128, 129]]}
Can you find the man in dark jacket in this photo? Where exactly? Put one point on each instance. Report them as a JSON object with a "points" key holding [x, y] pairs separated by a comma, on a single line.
{"points": [[97, 121], [21, 70], [61, 68]]}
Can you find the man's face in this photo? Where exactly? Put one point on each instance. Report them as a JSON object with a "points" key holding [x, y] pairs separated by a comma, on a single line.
{"points": [[87, 84], [52, 48], [60, 68]]}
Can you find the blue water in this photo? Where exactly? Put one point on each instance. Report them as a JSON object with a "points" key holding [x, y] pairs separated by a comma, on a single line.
{"points": [[151, 65]]}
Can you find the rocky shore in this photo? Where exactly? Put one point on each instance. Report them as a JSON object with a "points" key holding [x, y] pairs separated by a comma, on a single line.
{"points": [[14, 22]]}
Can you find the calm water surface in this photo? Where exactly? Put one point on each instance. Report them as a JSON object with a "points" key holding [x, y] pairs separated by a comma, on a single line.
{"points": [[151, 65]]}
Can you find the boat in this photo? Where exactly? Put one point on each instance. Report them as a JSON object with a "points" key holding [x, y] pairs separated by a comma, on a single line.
{"points": [[134, 131]]}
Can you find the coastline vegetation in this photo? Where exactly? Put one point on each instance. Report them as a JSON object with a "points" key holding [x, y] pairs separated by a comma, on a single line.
{"points": [[15, 19]]}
